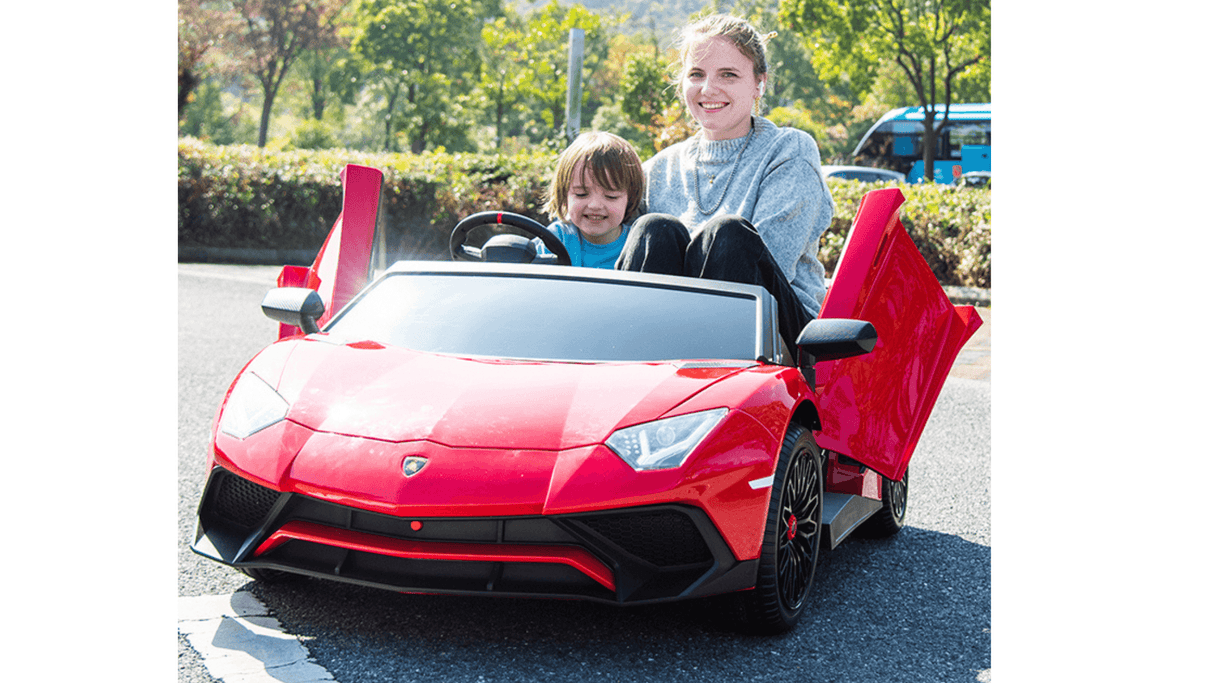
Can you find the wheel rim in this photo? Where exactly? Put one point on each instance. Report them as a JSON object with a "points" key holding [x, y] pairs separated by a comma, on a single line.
{"points": [[897, 498], [800, 526]]}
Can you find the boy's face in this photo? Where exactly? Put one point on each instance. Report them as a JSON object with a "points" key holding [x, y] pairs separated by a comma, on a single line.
{"points": [[597, 211]]}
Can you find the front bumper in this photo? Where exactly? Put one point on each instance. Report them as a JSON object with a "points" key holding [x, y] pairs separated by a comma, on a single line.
{"points": [[632, 555]]}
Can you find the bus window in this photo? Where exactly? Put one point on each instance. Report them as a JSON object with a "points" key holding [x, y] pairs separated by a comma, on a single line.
{"points": [[896, 140], [965, 134]]}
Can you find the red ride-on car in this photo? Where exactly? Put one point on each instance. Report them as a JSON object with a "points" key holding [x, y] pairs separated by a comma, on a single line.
{"points": [[507, 426]]}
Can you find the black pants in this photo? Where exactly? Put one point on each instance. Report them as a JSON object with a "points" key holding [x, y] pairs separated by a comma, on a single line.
{"points": [[725, 248]]}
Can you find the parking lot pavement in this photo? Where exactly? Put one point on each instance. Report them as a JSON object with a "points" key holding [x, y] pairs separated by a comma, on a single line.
{"points": [[974, 361]]}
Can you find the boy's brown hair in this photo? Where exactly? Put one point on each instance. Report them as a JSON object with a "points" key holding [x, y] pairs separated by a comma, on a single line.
{"points": [[612, 163]]}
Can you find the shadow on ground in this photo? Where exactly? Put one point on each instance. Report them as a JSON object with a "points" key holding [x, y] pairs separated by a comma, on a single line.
{"points": [[914, 607]]}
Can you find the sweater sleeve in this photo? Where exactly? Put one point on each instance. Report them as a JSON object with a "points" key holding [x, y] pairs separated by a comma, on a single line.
{"points": [[793, 207]]}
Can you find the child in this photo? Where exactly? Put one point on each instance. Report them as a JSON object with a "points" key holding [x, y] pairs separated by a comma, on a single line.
{"points": [[595, 193]]}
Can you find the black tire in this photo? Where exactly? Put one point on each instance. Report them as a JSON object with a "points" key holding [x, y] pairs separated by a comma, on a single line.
{"points": [[790, 548], [267, 575], [890, 519]]}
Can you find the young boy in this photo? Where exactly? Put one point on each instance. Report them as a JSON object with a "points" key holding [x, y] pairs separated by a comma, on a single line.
{"points": [[595, 192]]}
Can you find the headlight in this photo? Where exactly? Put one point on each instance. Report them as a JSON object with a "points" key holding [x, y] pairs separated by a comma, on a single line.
{"points": [[252, 406], [664, 444]]}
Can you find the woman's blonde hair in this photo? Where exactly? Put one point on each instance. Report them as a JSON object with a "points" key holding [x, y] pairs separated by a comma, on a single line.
{"points": [[612, 163], [743, 35]]}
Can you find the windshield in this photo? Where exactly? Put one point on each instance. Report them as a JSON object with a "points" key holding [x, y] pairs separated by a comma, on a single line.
{"points": [[551, 318]]}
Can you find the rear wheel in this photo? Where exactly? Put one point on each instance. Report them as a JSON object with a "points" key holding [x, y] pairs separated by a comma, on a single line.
{"points": [[892, 516], [791, 539]]}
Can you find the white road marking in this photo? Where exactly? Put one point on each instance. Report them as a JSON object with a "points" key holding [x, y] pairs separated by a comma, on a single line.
{"points": [[261, 275], [240, 642]]}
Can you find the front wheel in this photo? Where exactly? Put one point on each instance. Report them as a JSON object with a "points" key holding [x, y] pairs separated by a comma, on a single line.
{"points": [[791, 539]]}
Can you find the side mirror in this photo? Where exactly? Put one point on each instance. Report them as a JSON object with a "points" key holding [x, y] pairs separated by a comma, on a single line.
{"points": [[298, 306], [832, 339]]}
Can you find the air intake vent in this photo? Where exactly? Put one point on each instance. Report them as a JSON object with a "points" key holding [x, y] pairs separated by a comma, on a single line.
{"points": [[664, 538], [242, 502]]}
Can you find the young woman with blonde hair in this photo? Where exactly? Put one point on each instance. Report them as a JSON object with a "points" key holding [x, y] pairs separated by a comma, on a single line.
{"points": [[742, 200]]}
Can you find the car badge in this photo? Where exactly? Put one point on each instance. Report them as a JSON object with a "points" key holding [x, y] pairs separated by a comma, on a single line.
{"points": [[413, 464]]}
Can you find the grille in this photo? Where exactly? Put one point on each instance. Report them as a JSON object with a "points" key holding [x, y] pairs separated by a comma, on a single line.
{"points": [[657, 553], [664, 538], [243, 502]]}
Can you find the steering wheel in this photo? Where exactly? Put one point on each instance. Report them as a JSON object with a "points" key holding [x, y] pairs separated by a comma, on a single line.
{"points": [[504, 244]]}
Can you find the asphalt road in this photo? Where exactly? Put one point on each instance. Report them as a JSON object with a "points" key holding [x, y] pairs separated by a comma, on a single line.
{"points": [[916, 607]]}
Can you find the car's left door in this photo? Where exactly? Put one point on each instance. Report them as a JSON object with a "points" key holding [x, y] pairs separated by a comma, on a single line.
{"points": [[343, 265]]}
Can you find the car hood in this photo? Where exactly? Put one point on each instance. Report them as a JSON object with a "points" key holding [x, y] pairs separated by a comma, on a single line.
{"points": [[370, 390]]}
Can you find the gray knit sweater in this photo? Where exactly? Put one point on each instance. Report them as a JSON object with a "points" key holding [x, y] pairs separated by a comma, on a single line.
{"points": [[777, 186]]}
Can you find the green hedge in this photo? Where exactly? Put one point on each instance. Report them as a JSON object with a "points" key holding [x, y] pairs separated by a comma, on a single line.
{"points": [[951, 227], [242, 196]]}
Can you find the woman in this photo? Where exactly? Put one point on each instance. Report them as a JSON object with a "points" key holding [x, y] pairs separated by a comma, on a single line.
{"points": [[742, 200]]}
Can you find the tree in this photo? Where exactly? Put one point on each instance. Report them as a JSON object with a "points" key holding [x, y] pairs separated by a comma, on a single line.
{"points": [[505, 71], [547, 55], [275, 33], [646, 95], [201, 27], [422, 55], [933, 42], [315, 67]]}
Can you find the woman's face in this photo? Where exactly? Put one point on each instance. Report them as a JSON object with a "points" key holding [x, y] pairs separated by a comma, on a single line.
{"points": [[720, 88]]}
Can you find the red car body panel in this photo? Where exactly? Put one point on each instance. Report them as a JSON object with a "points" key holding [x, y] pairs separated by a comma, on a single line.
{"points": [[343, 264], [403, 395], [874, 407], [337, 443]]}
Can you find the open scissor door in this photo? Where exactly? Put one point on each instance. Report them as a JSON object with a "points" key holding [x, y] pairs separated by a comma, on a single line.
{"points": [[873, 407], [343, 265]]}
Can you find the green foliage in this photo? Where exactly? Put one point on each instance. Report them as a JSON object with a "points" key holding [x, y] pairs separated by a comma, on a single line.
{"points": [[312, 134], [645, 88], [646, 94], [939, 50], [610, 118], [207, 117], [245, 196], [422, 57], [951, 227], [544, 83]]}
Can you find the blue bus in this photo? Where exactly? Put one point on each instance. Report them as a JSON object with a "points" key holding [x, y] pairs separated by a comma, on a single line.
{"points": [[963, 144]]}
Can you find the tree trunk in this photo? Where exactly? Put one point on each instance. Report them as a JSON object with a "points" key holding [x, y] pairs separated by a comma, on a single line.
{"points": [[418, 144], [318, 99], [501, 112], [266, 105], [929, 145], [388, 139], [186, 82]]}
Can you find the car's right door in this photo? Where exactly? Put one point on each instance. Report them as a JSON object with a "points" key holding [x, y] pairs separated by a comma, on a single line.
{"points": [[873, 407]]}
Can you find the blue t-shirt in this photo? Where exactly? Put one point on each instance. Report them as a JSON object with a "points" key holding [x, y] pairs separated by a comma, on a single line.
{"points": [[584, 253]]}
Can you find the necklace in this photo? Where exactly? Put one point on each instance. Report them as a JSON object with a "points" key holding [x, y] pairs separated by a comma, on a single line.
{"points": [[695, 170]]}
